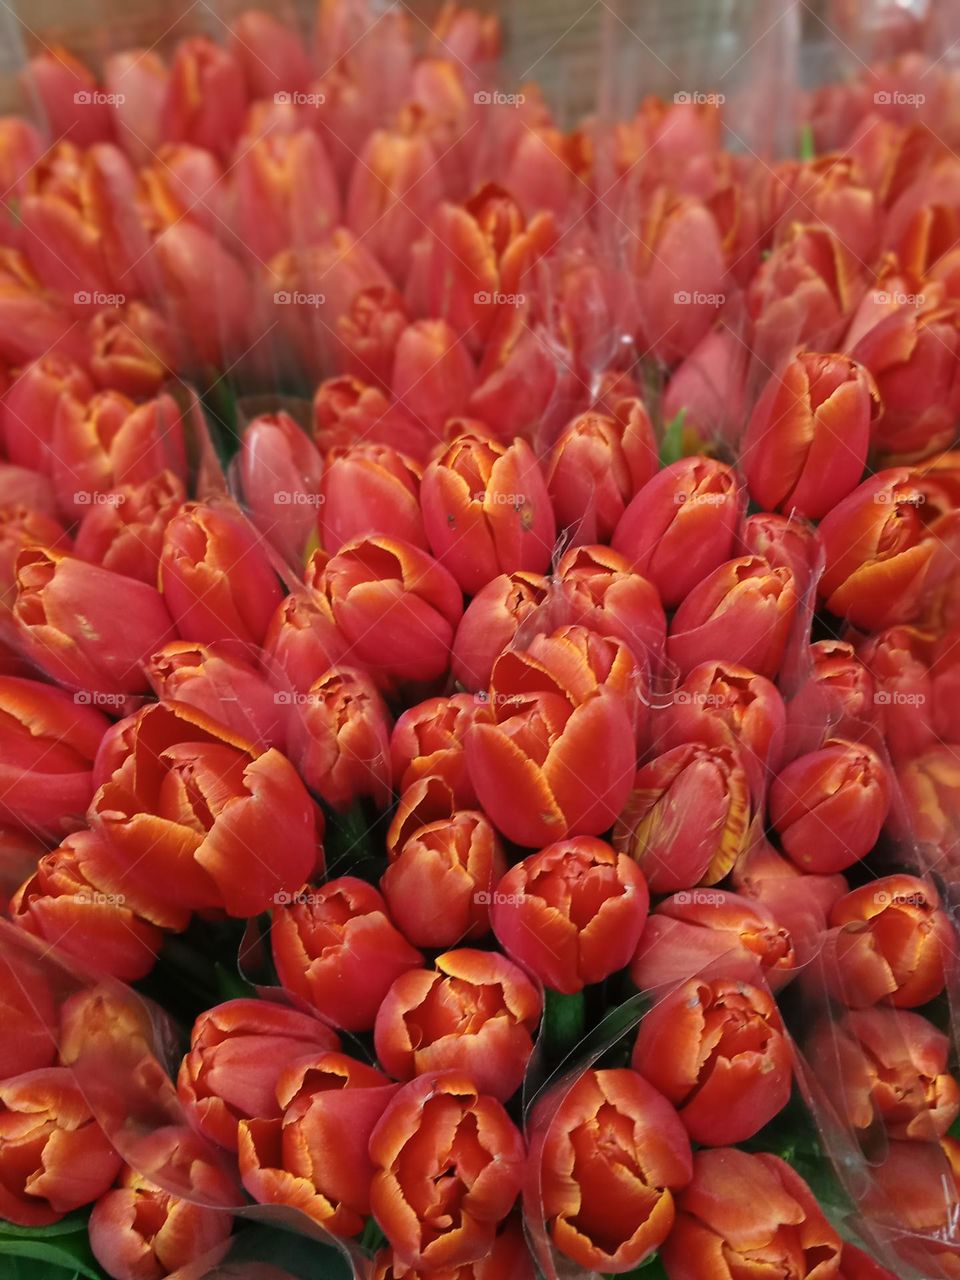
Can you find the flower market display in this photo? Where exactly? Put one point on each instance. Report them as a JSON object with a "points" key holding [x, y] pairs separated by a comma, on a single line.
{"points": [[479, 666]]}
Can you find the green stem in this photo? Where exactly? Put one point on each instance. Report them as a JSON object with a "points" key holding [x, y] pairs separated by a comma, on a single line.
{"points": [[564, 1019]]}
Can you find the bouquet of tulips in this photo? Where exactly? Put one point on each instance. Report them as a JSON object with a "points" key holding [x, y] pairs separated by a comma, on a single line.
{"points": [[479, 667]]}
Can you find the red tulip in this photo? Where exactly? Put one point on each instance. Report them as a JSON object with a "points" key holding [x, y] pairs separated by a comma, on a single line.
{"points": [[29, 1015], [22, 527], [131, 350], [280, 473], [301, 640], [718, 1052], [900, 660], [828, 807], [857, 1265], [748, 1212], [22, 487], [137, 79], [123, 530], [67, 90], [65, 612], [270, 53], [518, 377], [238, 1054], [806, 443], [601, 591], [367, 334], [370, 489], [784, 542], [475, 1012], [30, 408], [680, 526], [336, 948], [838, 697], [206, 96], [930, 787], [286, 192], [340, 738], [571, 914], [687, 820], [448, 1165], [207, 297], [798, 901], [509, 1257], [608, 1157], [743, 613], [348, 412], [433, 374], [429, 738], [914, 1196], [490, 621], [35, 323], [710, 387], [712, 933]]}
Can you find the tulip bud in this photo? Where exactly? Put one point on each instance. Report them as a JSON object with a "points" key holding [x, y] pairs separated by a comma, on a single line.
{"points": [[21, 487], [710, 387], [340, 738], [687, 820], [131, 350], [217, 579], [486, 510], [800, 902], [124, 531], [280, 473], [717, 1050], [429, 739], [828, 807], [22, 527], [212, 319], [490, 622], [348, 412], [476, 1012], [805, 446], [440, 1126], [712, 933], [270, 54], [34, 323], [67, 92], [205, 97], [30, 408], [238, 1053], [899, 660], [571, 914], [433, 374], [680, 526], [336, 948], [29, 1015], [367, 334], [838, 698], [370, 489], [610, 1128], [138, 80], [890, 941], [784, 542], [602, 592], [286, 193]]}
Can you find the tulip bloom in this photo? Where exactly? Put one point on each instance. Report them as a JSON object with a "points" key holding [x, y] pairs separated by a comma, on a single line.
{"points": [[681, 526], [876, 550], [800, 902], [340, 739], [29, 410], [199, 819], [440, 881], [302, 639], [475, 1012], [56, 592], [217, 579], [900, 659], [890, 941], [315, 1158], [743, 613], [286, 192], [124, 532], [891, 1066], [336, 948], [449, 1162], [509, 1257], [66, 88], [29, 1016], [370, 489], [395, 606], [205, 96], [754, 1213], [717, 1050], [132, 350], [828, 807], [367, 334], [784, 542], [346, 412], [710, 387], [838, 696], [22, 527], [433, 374], [489, 623], [931, 793], [687, 820], [280, 470], [429, 738], [54, 1157], [805, 446], [63, 904], [712, 933], [571, 914], [33, 323], [607, 1161], [238, 1052], [601, 591]]}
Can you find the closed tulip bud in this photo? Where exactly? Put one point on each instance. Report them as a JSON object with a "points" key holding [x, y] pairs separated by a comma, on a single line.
{"points": [[207, 296], [475, 1012], [223, 687], [347, 411], [518, 378], [900, 659], [109, 441], [238, 1053], [279, 469], [132, 350], [66, 89], [876, 551], [396, 607], [190, 830], [742, 613], [712, 933], [270, 53], [611, 1129], [30, 408], [722, 704], [63, 904], [717, 1050], [490, 622], [784, 542], [315, 1158], [441, 879], [441, 1126], [22, 527], [681, 526], [65, 611], [601, 591], [302, 640], [337, 948], [19, 486], [367, 334], [710, 387], [104, 1023], [597, 466], [340, 738], [138, 80], [124, 532], [286, 193], [688, 817], [29, 1015], [35, 323], [890, 941], [914, 1191], [571, 914], [206, 96], [912, 354], [930, 790], [370, 489], [829, 807], [751, 1211], [805, 446], [799, 901], [21, 147], [486, 510], [217, 579], [54, 1157], [429, 738], [892, 1068], [839, 696], [433, 374]]}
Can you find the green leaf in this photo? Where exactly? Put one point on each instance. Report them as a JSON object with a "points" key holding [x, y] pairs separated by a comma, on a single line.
{"points": [[671, 446], [68, 1226], [564, 1017], [67, 1254], [807, 148]]}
